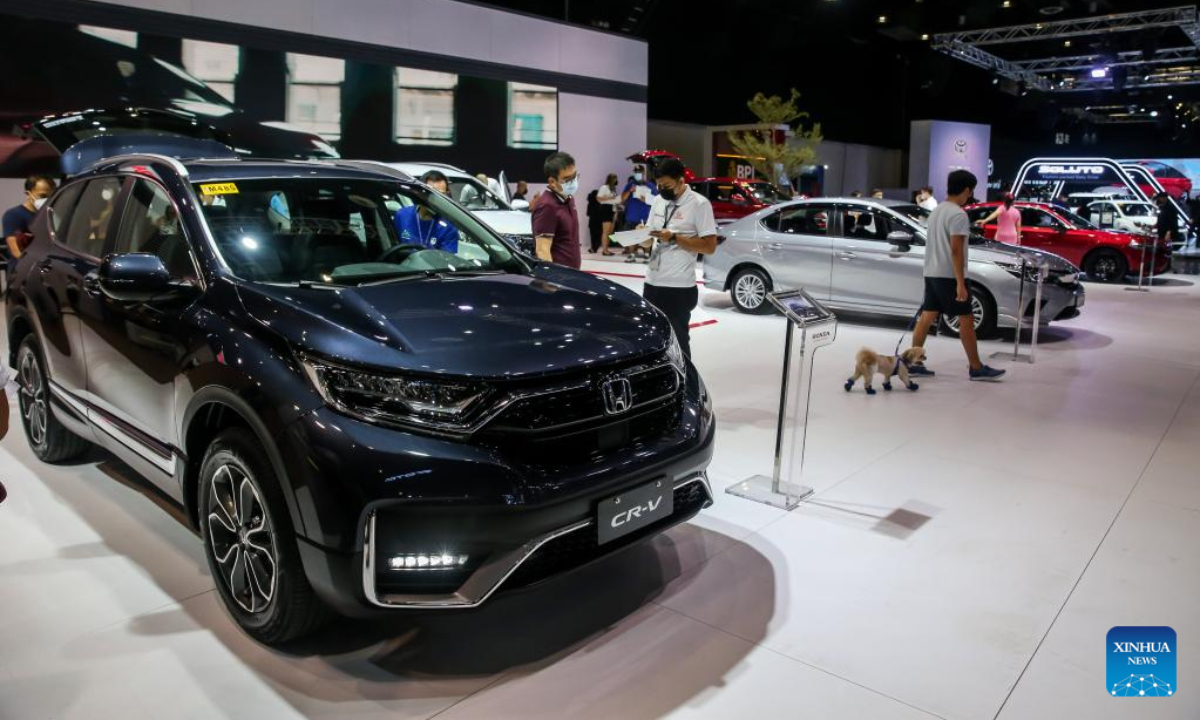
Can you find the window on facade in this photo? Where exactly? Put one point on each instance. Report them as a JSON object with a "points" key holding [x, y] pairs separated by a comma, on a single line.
{"points": [[425, 107], [214, 63], [314, 96], [532, 116]]}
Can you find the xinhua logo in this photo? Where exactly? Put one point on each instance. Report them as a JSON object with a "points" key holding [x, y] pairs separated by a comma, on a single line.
{"points": [[1141, 662]]}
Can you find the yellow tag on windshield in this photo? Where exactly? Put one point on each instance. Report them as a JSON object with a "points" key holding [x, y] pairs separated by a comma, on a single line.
{"points": [[219, 189]]}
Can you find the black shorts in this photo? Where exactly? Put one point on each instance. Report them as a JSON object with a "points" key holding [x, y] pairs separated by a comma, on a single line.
{"points": [[941, 296]]}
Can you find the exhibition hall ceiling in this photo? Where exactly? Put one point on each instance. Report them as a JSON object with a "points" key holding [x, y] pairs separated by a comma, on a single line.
{"points": [[866, 68]]}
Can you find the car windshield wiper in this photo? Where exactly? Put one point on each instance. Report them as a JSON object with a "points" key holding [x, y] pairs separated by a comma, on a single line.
{"points": [[429, 275]]}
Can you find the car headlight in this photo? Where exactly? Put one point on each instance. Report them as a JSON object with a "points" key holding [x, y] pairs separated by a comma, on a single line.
{"points": [[675, 355], [1014, 269], [396, 398]]}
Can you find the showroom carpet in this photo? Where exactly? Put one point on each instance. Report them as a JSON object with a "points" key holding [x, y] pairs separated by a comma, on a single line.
{"points": [[968, 549]]}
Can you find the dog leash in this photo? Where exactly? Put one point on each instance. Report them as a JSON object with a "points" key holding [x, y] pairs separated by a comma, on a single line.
{"points": [[911, 326]]}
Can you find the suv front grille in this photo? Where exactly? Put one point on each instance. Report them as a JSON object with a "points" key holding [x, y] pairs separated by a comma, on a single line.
{"points": [[571, 424]]}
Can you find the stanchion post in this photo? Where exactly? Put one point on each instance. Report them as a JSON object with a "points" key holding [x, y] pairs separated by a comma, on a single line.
{"points": [[1043, 271], [1020, 310], [1141, 273]]}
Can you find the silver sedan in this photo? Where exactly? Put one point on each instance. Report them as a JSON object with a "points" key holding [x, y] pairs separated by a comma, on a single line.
{"points": [[868, 256]]}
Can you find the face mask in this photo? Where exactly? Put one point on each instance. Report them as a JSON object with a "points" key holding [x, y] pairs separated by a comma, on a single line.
{"points": [[570, 188], [38, 203], [637, 177], [668, 194]]}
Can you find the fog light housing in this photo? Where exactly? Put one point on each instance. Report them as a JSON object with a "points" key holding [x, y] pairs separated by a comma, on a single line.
{"points": [[428, 561]]}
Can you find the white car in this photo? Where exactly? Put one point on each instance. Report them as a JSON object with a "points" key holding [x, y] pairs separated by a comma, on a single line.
{"points": [[492, 204], [1131, 216]]}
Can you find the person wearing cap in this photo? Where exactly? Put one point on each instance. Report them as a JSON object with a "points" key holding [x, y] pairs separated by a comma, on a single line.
{"points": [[1168, 218], [420, 225]]}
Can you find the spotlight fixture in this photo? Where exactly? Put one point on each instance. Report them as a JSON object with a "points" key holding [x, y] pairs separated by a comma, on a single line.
{"points": [[1100, 72], [1007, 4], [882, 19]]}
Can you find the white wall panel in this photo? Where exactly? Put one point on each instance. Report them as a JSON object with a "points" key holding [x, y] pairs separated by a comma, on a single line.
{"points": [[445, 27], [600, 133]]}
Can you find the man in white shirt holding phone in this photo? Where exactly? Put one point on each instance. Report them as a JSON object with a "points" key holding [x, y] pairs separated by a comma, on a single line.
{"points": [[683, 226]]}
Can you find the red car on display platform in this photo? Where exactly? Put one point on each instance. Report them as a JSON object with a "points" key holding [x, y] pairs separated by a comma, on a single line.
{"points": [[733, 199], [651, 158], [1174, 182], [1104, 255]]}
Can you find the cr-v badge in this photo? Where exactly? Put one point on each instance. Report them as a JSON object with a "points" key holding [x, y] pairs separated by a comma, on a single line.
{"points": [[618, 395]]}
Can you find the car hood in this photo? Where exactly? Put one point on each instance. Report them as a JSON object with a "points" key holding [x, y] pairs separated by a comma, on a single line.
{"points": [[507, 222], [499, 326], [996, 252]]}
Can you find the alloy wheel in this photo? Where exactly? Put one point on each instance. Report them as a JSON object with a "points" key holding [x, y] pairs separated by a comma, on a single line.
{"points": [[34, 410], [242, 539], [750, 291], [976, 310], [1105, 268]]}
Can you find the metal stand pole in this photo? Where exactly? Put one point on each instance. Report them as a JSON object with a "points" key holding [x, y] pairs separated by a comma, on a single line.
{"points": [[1016, 351], [1141, 273], [777, 473], [1037, 312]]}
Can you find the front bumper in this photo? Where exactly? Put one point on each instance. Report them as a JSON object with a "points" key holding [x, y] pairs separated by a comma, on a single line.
{"points": [[366, 494], [1059, 302]]}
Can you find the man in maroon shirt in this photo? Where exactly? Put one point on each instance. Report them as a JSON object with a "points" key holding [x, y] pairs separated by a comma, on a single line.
{"points": [[555, 222]]}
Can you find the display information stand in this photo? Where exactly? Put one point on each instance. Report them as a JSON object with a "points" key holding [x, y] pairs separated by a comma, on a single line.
{"points": [[1043, 272], [818, 328]]}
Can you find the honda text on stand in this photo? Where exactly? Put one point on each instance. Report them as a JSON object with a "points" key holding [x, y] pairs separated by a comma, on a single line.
{"points": [[353, 423]]}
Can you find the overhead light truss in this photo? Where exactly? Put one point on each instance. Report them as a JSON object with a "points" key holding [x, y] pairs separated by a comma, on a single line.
{"points": [[1065, 29], [1144, 69]]}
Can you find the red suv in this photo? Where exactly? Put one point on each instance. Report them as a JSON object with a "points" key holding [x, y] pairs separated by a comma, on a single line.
{"points": [[651, 158], [733, 199], [1105, 256], [1174, 182]]}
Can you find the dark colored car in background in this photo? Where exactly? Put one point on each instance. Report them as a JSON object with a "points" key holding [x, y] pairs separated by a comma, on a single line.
{"points": [[354, 421], [733, 198], [1104, 255], [106, 74]]}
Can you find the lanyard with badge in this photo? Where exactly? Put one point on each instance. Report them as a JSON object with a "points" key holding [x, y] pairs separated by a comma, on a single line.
{"points": [[659, 248]]}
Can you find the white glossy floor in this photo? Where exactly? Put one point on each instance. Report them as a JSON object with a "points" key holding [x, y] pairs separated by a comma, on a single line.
{"points": [[967, 551]]}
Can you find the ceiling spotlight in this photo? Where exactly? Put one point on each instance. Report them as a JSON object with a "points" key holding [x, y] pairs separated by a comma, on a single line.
{"points": [[924, 36], [882, 19], [1099, 72], [1153, 113], [1066, 43], [1007, 4]]}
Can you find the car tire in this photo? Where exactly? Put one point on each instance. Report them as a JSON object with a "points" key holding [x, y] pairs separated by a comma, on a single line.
{"points": [[251, 545], [49, 439], [1106, 266], [748, 289], [984, 308]]}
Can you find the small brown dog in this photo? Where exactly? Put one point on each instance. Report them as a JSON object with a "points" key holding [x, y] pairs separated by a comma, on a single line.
{"points": [[868, 362]]}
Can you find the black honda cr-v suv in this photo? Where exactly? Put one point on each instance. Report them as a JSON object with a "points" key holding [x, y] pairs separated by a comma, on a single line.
{"points": [[354, 417]]}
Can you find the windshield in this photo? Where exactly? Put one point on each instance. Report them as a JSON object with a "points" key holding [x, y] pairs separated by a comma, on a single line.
{"points": [[1139, 209], [767, 193], [345, 232], [916, 213], [475, 195], [1076, 220]]}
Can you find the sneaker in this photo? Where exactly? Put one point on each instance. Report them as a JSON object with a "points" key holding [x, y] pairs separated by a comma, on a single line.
{"points": [[631, 258], [987, 374], [920, 370]]}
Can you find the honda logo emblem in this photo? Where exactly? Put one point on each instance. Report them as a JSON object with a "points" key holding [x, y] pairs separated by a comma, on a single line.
{"points": [[618, 395]]}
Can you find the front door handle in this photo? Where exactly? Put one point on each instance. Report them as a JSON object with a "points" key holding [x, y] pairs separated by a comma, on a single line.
{"points": [[775, 246], [846, 256]]}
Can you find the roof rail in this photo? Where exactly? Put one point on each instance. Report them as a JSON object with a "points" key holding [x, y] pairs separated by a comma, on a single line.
{"points": [[175, 164], [374, 166]]}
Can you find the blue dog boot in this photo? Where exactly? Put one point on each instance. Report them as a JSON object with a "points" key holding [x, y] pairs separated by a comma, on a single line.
{"points": [[913, 386], [849, 385], [887, 386], [870, 391]]}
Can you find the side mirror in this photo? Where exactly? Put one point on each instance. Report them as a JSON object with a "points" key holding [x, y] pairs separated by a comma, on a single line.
{"points": [[133, 277], [520, 204], [739, 199], [901, 239]]}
